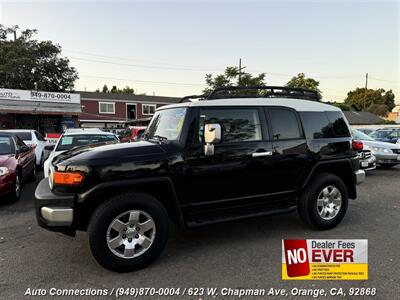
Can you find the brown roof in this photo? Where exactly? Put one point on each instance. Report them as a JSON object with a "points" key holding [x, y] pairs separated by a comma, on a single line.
{"points": [[362, 118], [118, 96]]}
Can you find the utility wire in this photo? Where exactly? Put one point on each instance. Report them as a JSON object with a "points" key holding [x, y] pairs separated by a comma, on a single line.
{"points": [[144, 81], [195, 68], [385, 80], [203, 68], [134, 65]]}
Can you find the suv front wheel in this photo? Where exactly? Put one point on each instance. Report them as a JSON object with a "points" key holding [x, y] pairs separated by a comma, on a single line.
{"points": [[324, 202], [128, 232]]}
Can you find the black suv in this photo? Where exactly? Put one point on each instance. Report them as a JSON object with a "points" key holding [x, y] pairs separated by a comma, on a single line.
{"points": [[217, 159]]}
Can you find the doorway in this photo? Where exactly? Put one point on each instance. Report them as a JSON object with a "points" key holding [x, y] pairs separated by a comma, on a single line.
{"points": [[130, 111]]}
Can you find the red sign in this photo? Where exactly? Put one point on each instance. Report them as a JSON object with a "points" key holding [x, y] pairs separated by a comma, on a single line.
{"points": [[296, 256]]}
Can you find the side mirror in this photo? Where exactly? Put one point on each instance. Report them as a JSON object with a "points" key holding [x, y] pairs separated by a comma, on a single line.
{"points": [[49, 147], [212, 135]]}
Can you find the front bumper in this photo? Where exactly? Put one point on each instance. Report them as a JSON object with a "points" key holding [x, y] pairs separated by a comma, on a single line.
{"points": [[7, 184], [359, 176], [391, 158], [54, 212]]}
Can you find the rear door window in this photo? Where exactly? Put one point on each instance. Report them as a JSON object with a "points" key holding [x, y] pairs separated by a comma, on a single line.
{"points": [[284, 124], [316, 125], [338, 123]]}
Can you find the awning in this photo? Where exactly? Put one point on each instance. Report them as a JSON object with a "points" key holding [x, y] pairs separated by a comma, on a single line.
{"points": [[10, 106]]}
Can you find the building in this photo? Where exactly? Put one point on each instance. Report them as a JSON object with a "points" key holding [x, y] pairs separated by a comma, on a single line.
{"points": [[50, 112], [394, 115], [108, 110], [44, 111]]}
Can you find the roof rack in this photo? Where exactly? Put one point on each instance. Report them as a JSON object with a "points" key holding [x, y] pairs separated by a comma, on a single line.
{"points": [[270, 92], [187, 98]]}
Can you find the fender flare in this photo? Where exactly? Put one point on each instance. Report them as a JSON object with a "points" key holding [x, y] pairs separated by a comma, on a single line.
{"points": [[96, 190], [345, 161]]}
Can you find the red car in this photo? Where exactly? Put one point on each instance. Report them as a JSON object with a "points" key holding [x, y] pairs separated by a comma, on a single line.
{"points": [[17, 164], [131, 133]]}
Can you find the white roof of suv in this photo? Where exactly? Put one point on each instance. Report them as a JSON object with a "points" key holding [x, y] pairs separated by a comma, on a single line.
{"points": [[297, 104]]}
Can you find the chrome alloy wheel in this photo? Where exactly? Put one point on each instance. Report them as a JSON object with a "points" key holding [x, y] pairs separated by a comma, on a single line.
{"points": [[329, 202], [131, 234]]}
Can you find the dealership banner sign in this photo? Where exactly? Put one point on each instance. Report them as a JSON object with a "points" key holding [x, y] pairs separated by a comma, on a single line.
{"points": [[325, 259], [39, 96]]}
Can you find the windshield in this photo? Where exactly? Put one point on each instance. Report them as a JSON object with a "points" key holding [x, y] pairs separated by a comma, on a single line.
{"points": [[358, 135], [24, 135], [382, 134], [5, 145], [167, 124], [68, 142]]}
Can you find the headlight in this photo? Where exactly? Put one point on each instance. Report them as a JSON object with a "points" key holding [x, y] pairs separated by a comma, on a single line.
{"points": [[380, 150], [4, 171]]}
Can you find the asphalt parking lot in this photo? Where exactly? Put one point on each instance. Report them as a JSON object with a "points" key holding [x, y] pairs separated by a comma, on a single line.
{"points": [[244, 254]]}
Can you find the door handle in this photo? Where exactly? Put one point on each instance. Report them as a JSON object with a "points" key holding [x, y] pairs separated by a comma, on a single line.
{"points": [[260, 154]]}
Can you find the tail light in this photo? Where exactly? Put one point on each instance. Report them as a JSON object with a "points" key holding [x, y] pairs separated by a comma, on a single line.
{"points": [[357, 145]]}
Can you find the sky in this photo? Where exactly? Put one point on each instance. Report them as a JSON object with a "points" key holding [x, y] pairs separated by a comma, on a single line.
{"points": [[166, 47]]}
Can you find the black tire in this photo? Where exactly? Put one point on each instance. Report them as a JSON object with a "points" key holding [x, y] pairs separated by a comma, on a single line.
{"points": [[41, 163], [387, 166], [105, 214], [307, 204], [32, 176], [15, 194]]}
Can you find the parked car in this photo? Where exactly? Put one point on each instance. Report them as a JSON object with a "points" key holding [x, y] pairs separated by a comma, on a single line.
{"points": [[34, 139], [389, 135], [202, 162], [75, 138], [132, 133], [367, 159], [17, 164], [367, 131], [387, 154]]}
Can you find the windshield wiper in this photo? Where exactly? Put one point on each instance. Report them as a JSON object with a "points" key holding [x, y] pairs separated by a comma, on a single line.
{"points": [[157, 137], [161, 138]]}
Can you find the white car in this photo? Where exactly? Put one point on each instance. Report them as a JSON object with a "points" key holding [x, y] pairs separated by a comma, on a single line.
{"points": [[34, 139], [75, 138]]}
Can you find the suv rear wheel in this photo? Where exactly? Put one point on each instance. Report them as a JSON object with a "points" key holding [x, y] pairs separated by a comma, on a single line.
{"points": [[128, 232], [324, 202]]}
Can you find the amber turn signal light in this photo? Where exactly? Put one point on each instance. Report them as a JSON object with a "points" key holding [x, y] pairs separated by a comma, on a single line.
{"points": [[68, 178]]}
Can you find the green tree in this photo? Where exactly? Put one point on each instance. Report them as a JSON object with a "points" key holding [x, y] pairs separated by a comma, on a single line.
{"points": [[377, 101], [128, 90], [116, 90], [341, 105], [105, 89], [26, 63], [231, 77], [301, 81]]}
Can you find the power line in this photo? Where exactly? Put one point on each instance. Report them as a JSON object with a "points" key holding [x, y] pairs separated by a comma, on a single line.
{"points": [[204, 68], [200, 68], [385, 80], [144, 81], [134, 65]]}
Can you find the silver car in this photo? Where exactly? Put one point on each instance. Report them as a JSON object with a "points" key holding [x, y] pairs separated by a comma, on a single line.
{"points": [[387, 154]]}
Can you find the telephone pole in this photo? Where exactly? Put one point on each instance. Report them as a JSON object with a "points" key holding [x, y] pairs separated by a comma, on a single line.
{"points": [[240, 69], [365, 92]]}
